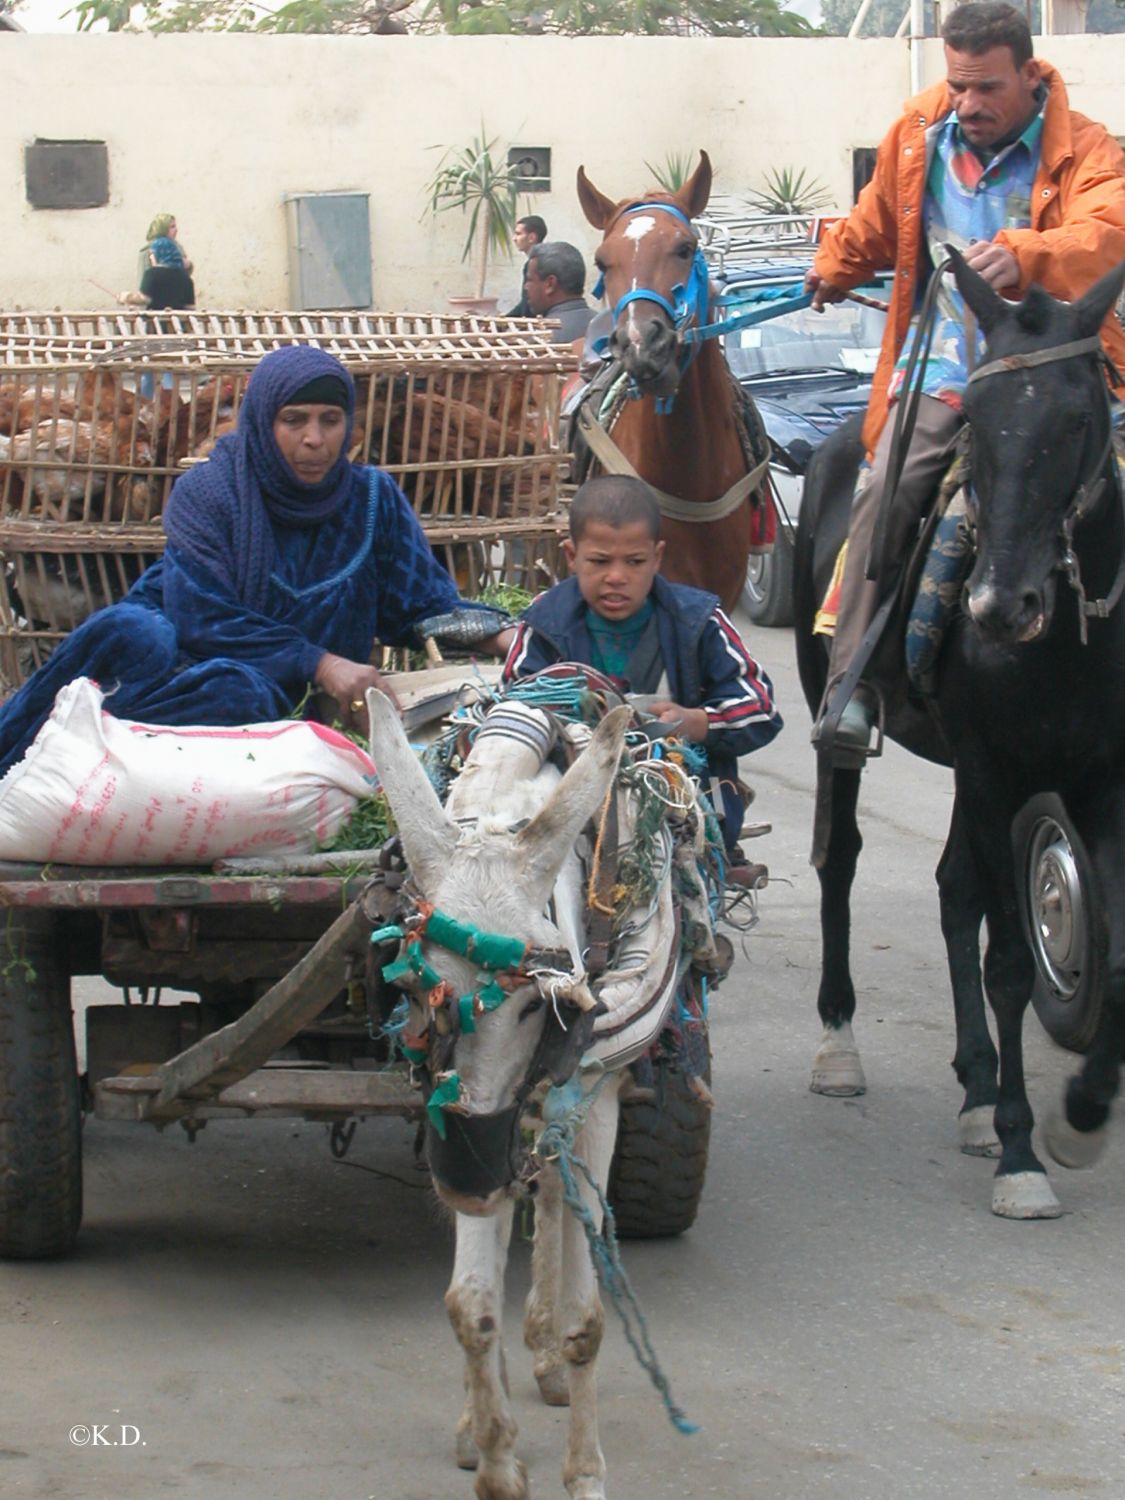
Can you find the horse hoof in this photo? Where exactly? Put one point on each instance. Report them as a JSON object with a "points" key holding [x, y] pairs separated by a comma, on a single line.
{"points": [[554, 1387], [1076, 1149], [837, 1070], [1024, 1195], [977, 1132], [465, 1450]]}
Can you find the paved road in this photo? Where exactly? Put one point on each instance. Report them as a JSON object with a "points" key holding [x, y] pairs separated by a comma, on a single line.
{"points": [[847, 1319]]}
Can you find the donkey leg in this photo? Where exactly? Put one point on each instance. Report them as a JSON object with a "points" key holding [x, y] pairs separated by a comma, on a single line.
{"points": [[582, 1320], [1077, 1137], [541, 1314], [474, 1302], [837, 1069], [975, 1061]]}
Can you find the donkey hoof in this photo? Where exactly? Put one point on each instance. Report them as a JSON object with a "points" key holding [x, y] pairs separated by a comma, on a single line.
{"points": [[837, 1070], [506, 1483], [1072, 1148], [977, 1132], [465, 1448], [1024, 1195], [554, 1386]]}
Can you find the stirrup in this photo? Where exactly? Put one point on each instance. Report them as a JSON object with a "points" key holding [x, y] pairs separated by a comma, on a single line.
{"points": [[848, 754]]}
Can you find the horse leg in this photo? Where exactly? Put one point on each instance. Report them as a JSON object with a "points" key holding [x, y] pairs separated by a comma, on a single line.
{"points": [[541, 1314], [1077, 1137], [474, 1302], [837, 1069], [581, 1317], [1020, 1189], [975, 1061]]}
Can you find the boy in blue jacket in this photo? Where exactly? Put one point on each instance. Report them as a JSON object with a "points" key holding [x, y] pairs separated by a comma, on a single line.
{"points": [[673, 643]]}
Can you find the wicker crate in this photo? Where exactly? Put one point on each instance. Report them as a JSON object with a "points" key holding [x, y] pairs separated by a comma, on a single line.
{"points": [[99, 414]]}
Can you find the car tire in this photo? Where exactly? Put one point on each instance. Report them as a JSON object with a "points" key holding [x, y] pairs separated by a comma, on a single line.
{"points": [[1064, 921], [767, 594]]}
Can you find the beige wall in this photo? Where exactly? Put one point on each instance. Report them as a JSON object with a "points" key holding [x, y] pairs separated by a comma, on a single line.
{"points": [[218, 129]]}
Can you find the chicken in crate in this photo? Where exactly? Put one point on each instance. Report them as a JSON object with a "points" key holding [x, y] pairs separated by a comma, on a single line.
{"points": [[99, 414]]}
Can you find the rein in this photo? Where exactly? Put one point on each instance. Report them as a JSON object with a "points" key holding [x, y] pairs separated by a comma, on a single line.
{"points": [[1089, 491]]}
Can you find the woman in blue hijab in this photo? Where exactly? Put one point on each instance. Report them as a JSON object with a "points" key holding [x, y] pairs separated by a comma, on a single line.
{"points": [[284, 563]]}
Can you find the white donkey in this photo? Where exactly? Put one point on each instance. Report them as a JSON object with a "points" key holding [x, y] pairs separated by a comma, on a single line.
{"points": [[492, 863]]}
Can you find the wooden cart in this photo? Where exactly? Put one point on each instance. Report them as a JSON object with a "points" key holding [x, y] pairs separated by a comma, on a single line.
{"points": [[98, 415]]}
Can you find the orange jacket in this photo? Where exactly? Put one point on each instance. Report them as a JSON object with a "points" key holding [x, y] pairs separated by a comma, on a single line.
{"points": [[1077, 222]]}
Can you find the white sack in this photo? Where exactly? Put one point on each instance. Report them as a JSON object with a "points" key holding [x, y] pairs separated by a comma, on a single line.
{"points": [[96, 790]]}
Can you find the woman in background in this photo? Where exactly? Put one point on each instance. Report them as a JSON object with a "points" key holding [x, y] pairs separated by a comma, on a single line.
{"points": [[166, 283]]}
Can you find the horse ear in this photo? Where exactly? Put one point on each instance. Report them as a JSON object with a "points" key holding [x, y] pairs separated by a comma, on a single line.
{"points": [[428, 837], [987, 306], [549, 837], [695, 192], [595, 205], [1091, 309]]}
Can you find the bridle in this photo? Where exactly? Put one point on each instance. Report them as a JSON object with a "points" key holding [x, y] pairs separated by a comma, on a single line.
{"points": [[477, 1153], [1089, 491], [688, 305]]}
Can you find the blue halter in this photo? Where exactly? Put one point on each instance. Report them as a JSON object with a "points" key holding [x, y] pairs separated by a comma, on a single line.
{"points": [[691, 299]]}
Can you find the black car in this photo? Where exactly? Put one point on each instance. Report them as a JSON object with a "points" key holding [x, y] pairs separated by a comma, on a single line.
{"points": [[807, 373]]}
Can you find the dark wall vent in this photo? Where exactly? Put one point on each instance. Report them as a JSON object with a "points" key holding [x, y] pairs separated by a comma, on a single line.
{"points": [[66, 174], [532, 166]]}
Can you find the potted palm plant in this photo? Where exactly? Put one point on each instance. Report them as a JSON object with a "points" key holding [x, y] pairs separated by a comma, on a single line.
{"points": [[477, 179]]}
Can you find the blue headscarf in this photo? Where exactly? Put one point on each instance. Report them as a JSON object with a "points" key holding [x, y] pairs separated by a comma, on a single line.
{"points": [[165, 251], [223, 512]]}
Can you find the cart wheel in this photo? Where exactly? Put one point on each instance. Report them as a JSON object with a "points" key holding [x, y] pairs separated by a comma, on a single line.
{"points": [[656, 1178], [40, 1112], [1063, 921]]}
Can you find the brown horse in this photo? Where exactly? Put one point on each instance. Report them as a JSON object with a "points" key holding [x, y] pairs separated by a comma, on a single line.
{"points": [[687, 429]]}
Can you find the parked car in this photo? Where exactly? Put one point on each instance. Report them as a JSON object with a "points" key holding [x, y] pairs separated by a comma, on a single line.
{"points": [[807, 373]]}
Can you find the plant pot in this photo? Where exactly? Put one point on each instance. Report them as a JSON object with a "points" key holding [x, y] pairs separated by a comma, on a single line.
{"points": [[485, 306]]}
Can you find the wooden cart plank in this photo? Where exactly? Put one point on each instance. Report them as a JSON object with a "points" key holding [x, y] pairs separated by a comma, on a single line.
{"points": [[268, 1091]]}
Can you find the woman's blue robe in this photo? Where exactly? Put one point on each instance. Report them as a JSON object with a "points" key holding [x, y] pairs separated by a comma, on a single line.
{"points": [[182, 648]]}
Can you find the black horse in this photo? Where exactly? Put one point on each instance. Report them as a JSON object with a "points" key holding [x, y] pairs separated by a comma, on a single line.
{"points": [[1028, 704]]}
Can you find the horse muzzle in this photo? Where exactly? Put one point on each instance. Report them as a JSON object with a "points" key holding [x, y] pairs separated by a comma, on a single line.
{"points": [[648, 351], [1010, 617]]}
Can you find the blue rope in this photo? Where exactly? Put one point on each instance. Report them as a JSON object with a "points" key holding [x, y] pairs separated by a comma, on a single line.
{"points": [[565, 1110]]}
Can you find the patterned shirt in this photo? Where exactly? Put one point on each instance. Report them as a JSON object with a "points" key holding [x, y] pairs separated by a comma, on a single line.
{"points": [[967, 200]]}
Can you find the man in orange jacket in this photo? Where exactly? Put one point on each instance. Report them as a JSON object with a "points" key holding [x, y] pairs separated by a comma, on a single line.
{"points": [[995, 161]]}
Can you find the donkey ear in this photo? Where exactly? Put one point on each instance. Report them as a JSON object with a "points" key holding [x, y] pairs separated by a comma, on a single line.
{"points": [[988, 306], [549, 837], [428, 837], [695, 192], [595, 205], [1091, 309]]}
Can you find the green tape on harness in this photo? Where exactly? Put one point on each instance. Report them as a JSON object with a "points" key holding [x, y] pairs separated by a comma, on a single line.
{"points": [[492, 950], [412, 962], [448, 1091], [385, 934], [465, 1012]]}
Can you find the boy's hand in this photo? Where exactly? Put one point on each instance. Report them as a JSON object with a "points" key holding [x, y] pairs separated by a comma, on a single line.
{"points": [[691, 723]]}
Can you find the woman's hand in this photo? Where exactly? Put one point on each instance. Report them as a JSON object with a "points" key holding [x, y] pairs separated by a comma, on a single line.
{"points": [[132, 299], [347, 682], [690, 723]]}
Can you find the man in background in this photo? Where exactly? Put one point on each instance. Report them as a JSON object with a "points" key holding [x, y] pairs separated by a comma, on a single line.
{"points": [[529, 232]]}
